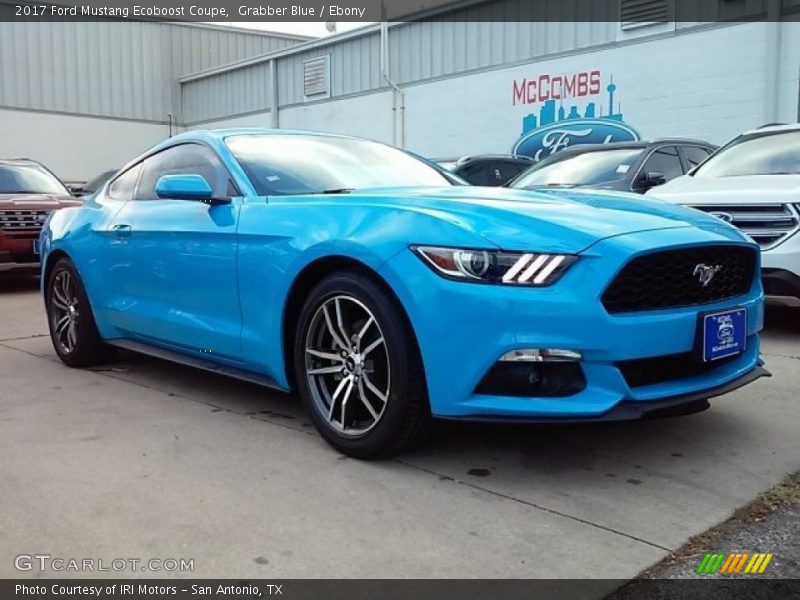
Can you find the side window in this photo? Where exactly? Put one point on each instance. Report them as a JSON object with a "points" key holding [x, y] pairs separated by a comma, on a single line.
{"points": [[694, 155], [504, 171], [664, 160], [122, 187], [185, 158], [480, 173]]}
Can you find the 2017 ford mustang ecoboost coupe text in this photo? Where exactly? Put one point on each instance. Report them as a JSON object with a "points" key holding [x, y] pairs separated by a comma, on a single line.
{"points": [[357, 275]]}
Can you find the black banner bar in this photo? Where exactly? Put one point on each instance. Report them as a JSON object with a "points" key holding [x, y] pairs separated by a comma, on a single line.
{"points": [[709, 588], [393, 10]]}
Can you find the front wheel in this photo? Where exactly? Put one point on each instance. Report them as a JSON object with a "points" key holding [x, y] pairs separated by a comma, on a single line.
{"points": [[358, 368]]}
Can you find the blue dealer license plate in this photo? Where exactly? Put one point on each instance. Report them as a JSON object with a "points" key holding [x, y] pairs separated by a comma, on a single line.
{"points": [[724, 334]]}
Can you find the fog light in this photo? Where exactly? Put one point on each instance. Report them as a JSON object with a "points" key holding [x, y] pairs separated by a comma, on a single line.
{"points": [[543, 379], [540, 355]]}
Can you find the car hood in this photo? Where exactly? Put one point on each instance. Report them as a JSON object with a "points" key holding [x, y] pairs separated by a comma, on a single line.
{"points": [[750, 188], [556, 220], [36, 201]]}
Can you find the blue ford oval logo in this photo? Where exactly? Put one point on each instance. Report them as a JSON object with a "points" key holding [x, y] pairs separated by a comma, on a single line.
{"points": [[544, 141]]}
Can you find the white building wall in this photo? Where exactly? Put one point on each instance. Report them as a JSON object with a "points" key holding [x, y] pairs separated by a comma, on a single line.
{"points": [[368, 116], [706, 82], [75, 148], [789, 73], [707, 85]]}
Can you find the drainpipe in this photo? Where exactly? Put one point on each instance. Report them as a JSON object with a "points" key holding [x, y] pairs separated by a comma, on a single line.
{"points": [[398, 96], [273, 103], [773, 56]]}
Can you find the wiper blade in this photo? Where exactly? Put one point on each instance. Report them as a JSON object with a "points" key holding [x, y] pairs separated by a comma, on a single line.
{"points": [[337, 191]]}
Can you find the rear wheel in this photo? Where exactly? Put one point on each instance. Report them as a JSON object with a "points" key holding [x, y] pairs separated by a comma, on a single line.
{"points": [[358, 368], [70, 318]]}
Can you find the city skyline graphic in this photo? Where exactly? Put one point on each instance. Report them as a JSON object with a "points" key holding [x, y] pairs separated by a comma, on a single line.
{"points": [[548, 113]]}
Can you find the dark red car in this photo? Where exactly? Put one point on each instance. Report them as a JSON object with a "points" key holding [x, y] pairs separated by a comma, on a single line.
{"points": [[28, 193]]}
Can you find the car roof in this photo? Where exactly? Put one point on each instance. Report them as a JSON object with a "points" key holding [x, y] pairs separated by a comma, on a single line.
{"points": [[216, 137], [777, 128], [19, 162], [635, 145], [220, 134]]}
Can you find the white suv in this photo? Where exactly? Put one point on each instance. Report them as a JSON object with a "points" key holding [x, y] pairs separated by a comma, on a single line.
{"points": [[753, 182]]}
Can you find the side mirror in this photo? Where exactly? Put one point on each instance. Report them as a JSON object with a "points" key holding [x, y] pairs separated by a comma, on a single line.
{"points": [[187, 186], [651, 179]]}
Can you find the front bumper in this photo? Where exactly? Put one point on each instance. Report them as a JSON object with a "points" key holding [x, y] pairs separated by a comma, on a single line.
{"points": [[781, 269], [462, 329], [628, 410], [16, 251]]}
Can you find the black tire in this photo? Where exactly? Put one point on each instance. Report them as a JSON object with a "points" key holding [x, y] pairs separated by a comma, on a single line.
{"points": [[405, 417], [84, 348]]}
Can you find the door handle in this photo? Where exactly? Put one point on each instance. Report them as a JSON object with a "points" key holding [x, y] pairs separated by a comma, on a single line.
{"points": [[121, 231]]}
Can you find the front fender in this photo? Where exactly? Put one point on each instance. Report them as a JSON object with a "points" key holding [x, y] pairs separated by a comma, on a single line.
{"points": [[279, 240]]}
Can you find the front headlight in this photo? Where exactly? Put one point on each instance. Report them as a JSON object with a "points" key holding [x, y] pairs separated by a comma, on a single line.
{"points": [[495, 266]]}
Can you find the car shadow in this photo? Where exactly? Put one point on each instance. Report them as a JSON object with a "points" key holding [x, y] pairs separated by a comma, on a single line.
{"points": [[782, 321], [548, 449], [219, 392]]}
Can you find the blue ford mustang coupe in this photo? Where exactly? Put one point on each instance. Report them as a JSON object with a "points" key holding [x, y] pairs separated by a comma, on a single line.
{"points": [[360, 277]]}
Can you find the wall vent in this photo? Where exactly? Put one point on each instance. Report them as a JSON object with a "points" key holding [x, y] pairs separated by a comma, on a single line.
{"points": [[317, 78], [639, 13]]}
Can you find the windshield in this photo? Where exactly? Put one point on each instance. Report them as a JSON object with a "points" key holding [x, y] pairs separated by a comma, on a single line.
{"points": [[765, 154], [29, 179], [98, 182], [588, 168], [311, 164]]}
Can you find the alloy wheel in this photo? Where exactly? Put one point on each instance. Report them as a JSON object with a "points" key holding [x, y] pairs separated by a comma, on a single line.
{"points": [[347, 365], [64, 311]]}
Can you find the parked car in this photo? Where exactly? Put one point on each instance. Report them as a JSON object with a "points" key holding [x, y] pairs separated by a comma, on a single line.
{"points": [[28, 193], [753, 182], [624, 166], [444, 170], [358, 276], [489, 169], [91, 186]]}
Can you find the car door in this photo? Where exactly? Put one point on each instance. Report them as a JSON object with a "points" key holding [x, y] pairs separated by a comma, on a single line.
{"points": [[180, 280], [106, 250]]}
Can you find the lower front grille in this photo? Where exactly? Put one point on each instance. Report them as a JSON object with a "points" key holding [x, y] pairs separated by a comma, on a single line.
{"points": [[682, 277], [767, 224], [661, 369], [14, 220]]}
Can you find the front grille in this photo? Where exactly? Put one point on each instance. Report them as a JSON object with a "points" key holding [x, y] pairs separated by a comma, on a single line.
{"points": [[650, 371], [767, 224], [670, 279], [12, 220]]}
